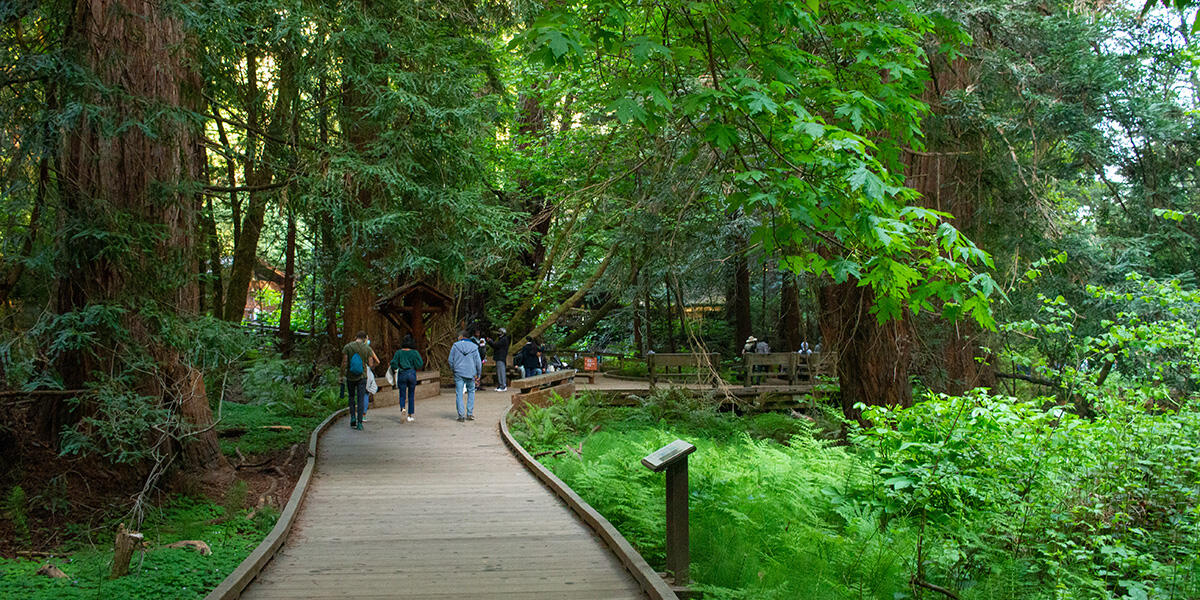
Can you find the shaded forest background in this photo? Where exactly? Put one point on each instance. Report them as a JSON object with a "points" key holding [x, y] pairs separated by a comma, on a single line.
{"points": [[946, 194]]}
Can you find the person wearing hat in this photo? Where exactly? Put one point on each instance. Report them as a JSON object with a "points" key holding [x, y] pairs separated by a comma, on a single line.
{"points": [[500, 355]]}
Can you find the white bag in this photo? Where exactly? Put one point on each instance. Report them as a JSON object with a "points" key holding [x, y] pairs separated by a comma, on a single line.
{"points": [[390, 376], [372, 387]]}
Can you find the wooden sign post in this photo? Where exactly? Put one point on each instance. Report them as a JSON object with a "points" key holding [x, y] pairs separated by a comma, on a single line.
{"points": [[673, 459]]}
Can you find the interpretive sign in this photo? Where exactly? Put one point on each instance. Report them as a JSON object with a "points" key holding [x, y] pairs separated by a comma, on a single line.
{"points": [[668, 455]]}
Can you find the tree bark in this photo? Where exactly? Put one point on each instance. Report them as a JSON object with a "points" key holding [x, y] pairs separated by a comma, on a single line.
{"points": [[790, 334], [122, 181], [668, 316], [740, 296], [872, 358]]}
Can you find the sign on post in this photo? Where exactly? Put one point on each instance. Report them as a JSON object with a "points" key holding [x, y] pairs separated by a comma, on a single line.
{"points": [[673, 459], [590, 363]]}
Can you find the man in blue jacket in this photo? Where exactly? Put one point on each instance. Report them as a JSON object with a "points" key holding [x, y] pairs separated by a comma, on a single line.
{"points": [[465, 362]]}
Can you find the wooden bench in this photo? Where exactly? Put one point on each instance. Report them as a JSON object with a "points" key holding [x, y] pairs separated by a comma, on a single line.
{"points": [[796, 368], [429, 384], [705, 365], [539, 389]]}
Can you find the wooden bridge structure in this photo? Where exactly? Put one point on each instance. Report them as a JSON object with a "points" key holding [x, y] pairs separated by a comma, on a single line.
{"points": [[438, 509]]}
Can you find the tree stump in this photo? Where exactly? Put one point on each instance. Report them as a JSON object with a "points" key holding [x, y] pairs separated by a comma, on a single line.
{"points": [[126, 542]]}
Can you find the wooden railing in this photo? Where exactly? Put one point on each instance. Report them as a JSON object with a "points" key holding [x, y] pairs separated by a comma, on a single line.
{"points": [[796, 368], [705, 365], [540, 388]]}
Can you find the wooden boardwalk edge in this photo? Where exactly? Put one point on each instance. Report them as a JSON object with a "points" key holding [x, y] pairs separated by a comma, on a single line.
{"points": [[651, 583], [233, 585]]}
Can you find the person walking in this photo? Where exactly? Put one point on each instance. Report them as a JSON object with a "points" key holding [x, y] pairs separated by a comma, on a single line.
{"points": [[405, 363], [500, 355], [357, 357], [467, 366], [370, 386]]}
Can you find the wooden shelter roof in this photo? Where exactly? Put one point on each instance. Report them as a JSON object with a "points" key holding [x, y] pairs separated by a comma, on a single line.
{"points": [[401, 299]]}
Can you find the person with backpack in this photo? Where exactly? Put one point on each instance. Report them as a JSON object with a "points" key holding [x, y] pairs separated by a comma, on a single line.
{"points": [[357, 357], [405, 363], [500, 354], [467, 366]]}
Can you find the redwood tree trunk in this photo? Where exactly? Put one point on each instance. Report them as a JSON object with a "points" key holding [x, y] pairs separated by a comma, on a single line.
{"points": [[873, 358], [740, 296], [124, 182], [790, 334]]}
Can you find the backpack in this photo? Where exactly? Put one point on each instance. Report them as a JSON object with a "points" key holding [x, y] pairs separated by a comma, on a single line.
{"points": [[356, 365]]}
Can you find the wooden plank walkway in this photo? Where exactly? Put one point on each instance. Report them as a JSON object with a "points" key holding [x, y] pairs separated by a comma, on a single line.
{"points": [[433, 510]]}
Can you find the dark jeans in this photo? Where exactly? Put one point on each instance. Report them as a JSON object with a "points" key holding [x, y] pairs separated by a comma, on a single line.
{"points": [[356, 398], [406, 385]]}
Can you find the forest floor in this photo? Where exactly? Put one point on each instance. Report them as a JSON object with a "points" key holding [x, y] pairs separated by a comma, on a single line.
{"points": [[73, 500]]}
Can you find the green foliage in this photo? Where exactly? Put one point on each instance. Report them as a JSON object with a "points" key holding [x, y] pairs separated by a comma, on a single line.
{"points": [[768, 520], [251, 418], [16, 508], [290, 386], [801, 130], [160, 572], [1013, 489]]}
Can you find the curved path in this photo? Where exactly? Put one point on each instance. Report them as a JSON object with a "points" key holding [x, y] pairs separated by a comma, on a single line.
{"points": [[434, 510]]}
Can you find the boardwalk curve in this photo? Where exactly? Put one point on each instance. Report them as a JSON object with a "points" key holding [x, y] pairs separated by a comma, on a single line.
{"points": [[433, 510]]}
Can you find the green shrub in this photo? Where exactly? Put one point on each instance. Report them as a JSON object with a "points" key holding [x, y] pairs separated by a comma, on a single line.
{"points": [[16, 506]]}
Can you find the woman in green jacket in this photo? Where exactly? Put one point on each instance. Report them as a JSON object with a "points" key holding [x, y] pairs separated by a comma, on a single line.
{"points": [[405, 364]]}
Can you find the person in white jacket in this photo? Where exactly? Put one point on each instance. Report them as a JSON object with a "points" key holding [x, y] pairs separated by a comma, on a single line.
{"points": [[467, 366]]}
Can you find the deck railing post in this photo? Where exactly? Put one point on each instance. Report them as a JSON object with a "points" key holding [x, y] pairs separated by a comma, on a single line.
{"points": [[673, 459]]}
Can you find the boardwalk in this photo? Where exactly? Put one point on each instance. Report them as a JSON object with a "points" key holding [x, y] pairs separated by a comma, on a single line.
{"points": [[436, 509]]}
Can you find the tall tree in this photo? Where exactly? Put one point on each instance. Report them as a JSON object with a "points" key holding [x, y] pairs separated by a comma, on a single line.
{"points": [[127, 171]]}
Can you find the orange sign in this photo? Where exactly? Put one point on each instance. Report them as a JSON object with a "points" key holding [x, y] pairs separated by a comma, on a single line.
{"points": [[589, 363]]}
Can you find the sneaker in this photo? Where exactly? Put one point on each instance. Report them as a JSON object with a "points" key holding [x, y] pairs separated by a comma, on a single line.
{"points": [[353, 425], [503, 389], [470, 417], [410, 418], [359, 426], [461, 419], [363, 419]]}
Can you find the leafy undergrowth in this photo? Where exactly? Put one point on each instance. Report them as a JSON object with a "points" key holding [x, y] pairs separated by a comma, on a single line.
{"points": [[990, 498], [158, 573], [243, 427], [763, 520]]}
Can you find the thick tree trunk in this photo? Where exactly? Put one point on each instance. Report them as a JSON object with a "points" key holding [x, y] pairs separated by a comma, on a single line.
{"points": [[668, 317], [873, 358], [938, 174], [790, 334], [739, 305], [128, 180]]}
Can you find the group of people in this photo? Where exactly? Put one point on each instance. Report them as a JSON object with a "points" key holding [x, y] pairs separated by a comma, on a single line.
{"points": [[466, 359], [358, 358], [757, 346]]}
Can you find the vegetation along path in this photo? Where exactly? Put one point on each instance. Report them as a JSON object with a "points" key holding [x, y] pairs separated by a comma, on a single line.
{"points": [[436, 509]]}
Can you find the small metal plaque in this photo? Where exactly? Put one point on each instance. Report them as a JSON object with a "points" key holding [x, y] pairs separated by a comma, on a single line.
{"points": [[668, 455]]}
